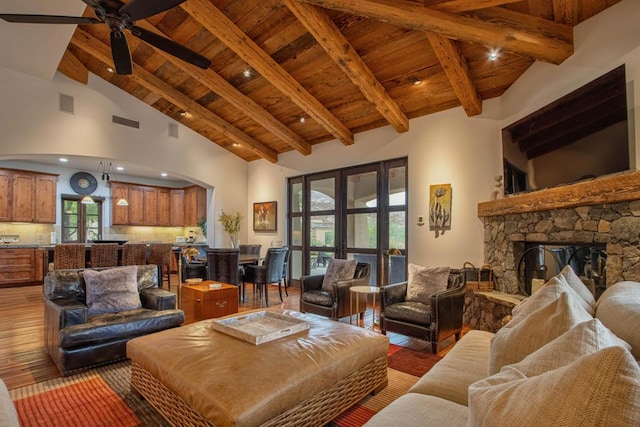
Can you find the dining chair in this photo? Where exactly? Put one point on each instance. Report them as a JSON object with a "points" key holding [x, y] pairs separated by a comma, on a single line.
{"points": [[250, 249], [285, 271], [104, 255], [69, 255], [160, 255], [134, 254], [270, 272], [223, 266]]}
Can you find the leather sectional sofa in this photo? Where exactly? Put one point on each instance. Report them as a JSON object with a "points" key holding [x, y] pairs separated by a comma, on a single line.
{"points": [[78, 340]]}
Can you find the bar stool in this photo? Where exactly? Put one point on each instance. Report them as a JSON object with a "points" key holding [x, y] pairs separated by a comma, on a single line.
{"points": [[160, 255], [134, 254], [104, 255], [69, 255]]}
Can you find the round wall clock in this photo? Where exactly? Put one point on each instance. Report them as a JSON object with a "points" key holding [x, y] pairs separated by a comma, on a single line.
{"points": [[83, 183]]}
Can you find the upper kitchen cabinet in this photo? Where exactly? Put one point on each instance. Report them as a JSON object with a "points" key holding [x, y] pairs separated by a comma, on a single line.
{"points": [[158, 206], [27, 197], [195, 205]]}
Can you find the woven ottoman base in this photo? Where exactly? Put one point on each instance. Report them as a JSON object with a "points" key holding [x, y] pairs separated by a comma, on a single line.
{"points": [[317, 410]]}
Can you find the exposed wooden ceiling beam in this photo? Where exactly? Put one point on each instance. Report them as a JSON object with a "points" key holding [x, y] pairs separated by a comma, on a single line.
{"points": [[457, 6], [219, 85], [497, 27], [101, 51], [71, 67], [345, 56], [455, 67], [228, 33], [566, 11]]}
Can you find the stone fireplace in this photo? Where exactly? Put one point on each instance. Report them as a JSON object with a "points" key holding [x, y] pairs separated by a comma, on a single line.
{"points": [[603, 211]]}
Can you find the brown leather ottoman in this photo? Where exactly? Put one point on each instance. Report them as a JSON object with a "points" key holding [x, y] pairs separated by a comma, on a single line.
{"points": [[194, 375]]}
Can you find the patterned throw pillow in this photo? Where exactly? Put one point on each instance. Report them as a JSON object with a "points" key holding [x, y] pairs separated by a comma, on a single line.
{"points": [[338, 269], [112, 290], [425, 281]]}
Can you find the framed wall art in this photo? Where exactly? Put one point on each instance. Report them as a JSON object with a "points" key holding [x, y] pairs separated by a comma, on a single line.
{"points": [[265, 216], [440, 208]]}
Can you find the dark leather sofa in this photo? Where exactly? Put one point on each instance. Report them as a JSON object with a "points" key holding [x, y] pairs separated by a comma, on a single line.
{"points": [[77, 342], [435, 322]]}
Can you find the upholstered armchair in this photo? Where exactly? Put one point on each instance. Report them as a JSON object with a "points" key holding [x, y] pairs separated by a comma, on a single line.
{"points": [[333, 303], [433, 322]]}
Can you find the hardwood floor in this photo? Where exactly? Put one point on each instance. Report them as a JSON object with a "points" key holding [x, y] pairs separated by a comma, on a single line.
{"points": [[24, 360]]}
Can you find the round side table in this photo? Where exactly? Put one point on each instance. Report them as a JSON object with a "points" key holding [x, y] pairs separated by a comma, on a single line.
{"points": [[364, 290]]}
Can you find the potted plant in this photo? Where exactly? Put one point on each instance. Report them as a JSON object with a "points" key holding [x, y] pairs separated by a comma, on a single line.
{"points": [[202, 223], [231, 224]]}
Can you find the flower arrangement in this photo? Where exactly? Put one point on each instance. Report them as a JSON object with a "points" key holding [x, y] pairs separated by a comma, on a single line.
{"points": [[231, 224]]}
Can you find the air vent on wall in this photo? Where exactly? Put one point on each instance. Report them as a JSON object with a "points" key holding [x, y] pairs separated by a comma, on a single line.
{"points": [[173, 130], [125, 122], [66, 103]]}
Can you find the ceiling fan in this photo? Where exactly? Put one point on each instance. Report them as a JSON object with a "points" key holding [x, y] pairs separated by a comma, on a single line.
{"points": [[120, 16]]}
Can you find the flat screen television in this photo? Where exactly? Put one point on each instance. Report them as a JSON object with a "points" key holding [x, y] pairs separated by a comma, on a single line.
{"points": [[583, 135]]}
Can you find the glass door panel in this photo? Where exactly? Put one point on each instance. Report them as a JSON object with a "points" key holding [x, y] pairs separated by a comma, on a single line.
{"points": [[362, 190], [323, 195], [362, 230]]}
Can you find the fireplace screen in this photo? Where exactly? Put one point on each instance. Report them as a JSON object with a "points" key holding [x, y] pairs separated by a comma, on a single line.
{"points": [[540, 262]]}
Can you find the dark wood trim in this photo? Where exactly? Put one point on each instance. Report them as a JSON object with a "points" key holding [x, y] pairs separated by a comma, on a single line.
{"points": [[609, 189]]}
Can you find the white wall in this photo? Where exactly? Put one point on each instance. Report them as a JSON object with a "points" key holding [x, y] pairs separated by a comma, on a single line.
{"points": [[31, 124], [450, 147]]}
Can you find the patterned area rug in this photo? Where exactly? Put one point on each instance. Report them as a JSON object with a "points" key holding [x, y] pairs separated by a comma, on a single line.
{"points": [[102, 397]]}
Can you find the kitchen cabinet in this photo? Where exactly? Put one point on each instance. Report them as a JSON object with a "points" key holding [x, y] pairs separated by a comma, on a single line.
{"points": [[5, 195], [158, 206], [27, 197], [195, 205], [177, 207], [119, 214], [150, 206], [17, 265], [164, 207]]}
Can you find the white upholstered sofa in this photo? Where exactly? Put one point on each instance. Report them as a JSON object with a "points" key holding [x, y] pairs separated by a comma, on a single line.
{"points": [[563, 359]]}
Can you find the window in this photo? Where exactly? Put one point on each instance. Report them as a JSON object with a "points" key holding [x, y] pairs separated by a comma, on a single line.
{"points": [[352, 213], [80, 222]]}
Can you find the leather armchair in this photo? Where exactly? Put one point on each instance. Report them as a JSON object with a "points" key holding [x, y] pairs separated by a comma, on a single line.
{"points": [[435, 322], [77, 342], [335, 304]]}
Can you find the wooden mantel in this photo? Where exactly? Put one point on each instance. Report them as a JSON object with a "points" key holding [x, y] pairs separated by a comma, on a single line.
{"points": [[608, 189]]}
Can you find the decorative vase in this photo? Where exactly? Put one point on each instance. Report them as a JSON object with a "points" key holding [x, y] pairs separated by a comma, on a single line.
{"points": [[235, 242]]}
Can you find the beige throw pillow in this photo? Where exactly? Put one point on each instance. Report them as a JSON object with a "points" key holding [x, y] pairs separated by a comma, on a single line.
{"points": [[618, 309], [598, 389], [578, 285], [338, 269], [425, 281], [549, 292], [112, 290], [511, 345]]}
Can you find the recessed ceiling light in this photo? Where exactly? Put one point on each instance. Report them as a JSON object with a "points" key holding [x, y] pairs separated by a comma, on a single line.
{"points": [[235, 144], [247, 73], [119, 168], [302, 119], [63, 160], [416, 81], [184, 114], [111, 70], [493, 55], [164, 174]]}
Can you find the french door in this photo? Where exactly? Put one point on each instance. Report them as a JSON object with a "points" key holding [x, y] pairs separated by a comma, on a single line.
{"points": [[353, 213]]}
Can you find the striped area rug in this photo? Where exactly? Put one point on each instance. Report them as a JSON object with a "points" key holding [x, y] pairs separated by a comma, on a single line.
{"points": [[102, 396]]}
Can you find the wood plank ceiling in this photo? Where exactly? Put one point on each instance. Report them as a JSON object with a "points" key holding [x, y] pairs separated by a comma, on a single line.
{"points": [[289, 74]]}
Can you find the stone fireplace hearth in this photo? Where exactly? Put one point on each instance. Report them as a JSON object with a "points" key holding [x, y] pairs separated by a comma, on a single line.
{"points": [[601, 211]]}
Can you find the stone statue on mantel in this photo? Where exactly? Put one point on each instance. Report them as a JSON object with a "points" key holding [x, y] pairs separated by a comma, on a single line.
{"points": [[497, 192]]}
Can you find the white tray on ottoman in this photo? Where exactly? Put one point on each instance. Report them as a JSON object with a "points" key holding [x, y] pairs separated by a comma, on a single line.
{"points": [[260, 327]]}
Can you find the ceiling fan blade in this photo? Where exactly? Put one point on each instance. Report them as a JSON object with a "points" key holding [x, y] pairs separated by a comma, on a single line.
{"points": [[141, 9], [171, 47], [48, 19], [120, 53]]}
